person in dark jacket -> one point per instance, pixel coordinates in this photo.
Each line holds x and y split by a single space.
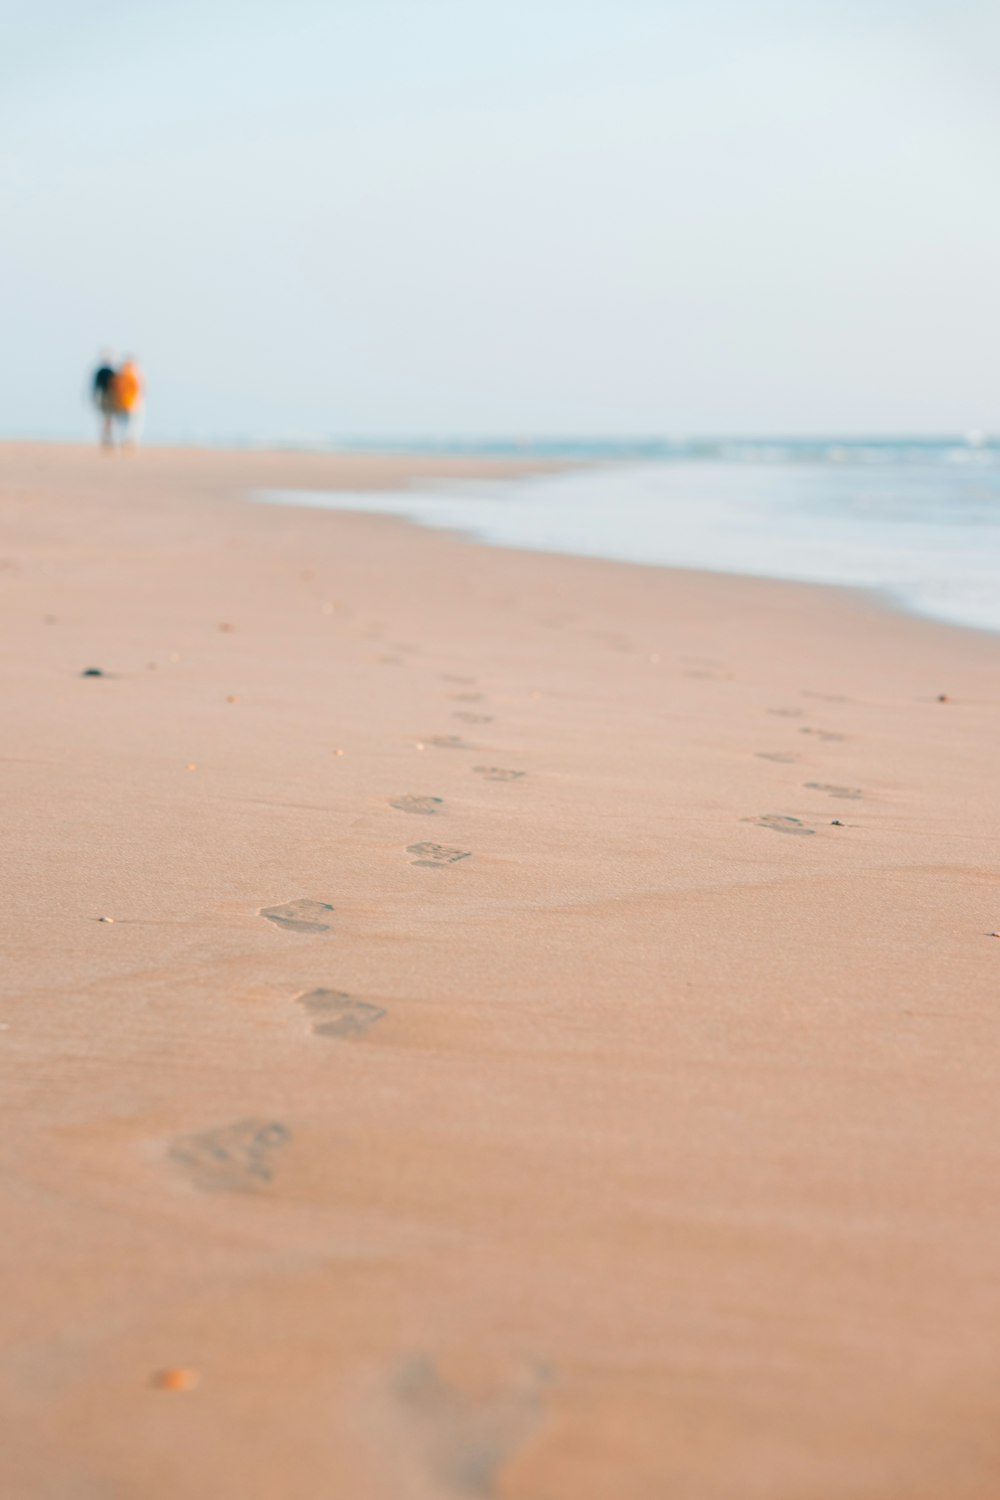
102 389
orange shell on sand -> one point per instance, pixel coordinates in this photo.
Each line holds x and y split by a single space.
176 1380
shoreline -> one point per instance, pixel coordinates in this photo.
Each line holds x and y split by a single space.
620 1126
772 522
875 597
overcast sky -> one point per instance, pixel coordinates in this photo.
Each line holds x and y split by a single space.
431 217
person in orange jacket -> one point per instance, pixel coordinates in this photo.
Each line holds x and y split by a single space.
127 395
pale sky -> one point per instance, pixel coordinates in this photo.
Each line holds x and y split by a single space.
340 218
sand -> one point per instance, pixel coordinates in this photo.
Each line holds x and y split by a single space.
621 1129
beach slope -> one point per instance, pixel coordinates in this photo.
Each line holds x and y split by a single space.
482 1023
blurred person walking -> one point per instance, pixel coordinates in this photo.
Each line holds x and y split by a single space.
127 393
102 391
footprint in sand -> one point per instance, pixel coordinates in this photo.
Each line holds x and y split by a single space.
234 1158
497 773
470 718
781 823
335 1013
449 742
824 734
854 792
467 1428
783 757
436 856
413 803
300 916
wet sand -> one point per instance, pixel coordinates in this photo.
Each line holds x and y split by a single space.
542 1038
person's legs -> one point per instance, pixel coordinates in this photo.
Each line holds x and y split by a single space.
132 426
107 411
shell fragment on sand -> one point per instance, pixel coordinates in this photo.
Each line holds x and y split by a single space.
175 1380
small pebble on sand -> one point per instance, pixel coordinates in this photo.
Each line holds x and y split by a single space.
92 672
192 765
233 698
176 1380
943 698
105 919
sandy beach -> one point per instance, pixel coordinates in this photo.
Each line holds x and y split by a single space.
479 1023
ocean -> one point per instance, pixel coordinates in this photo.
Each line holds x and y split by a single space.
917 521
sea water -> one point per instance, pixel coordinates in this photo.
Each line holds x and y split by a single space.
919 522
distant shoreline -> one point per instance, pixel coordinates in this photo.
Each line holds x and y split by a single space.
831 447
923 536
